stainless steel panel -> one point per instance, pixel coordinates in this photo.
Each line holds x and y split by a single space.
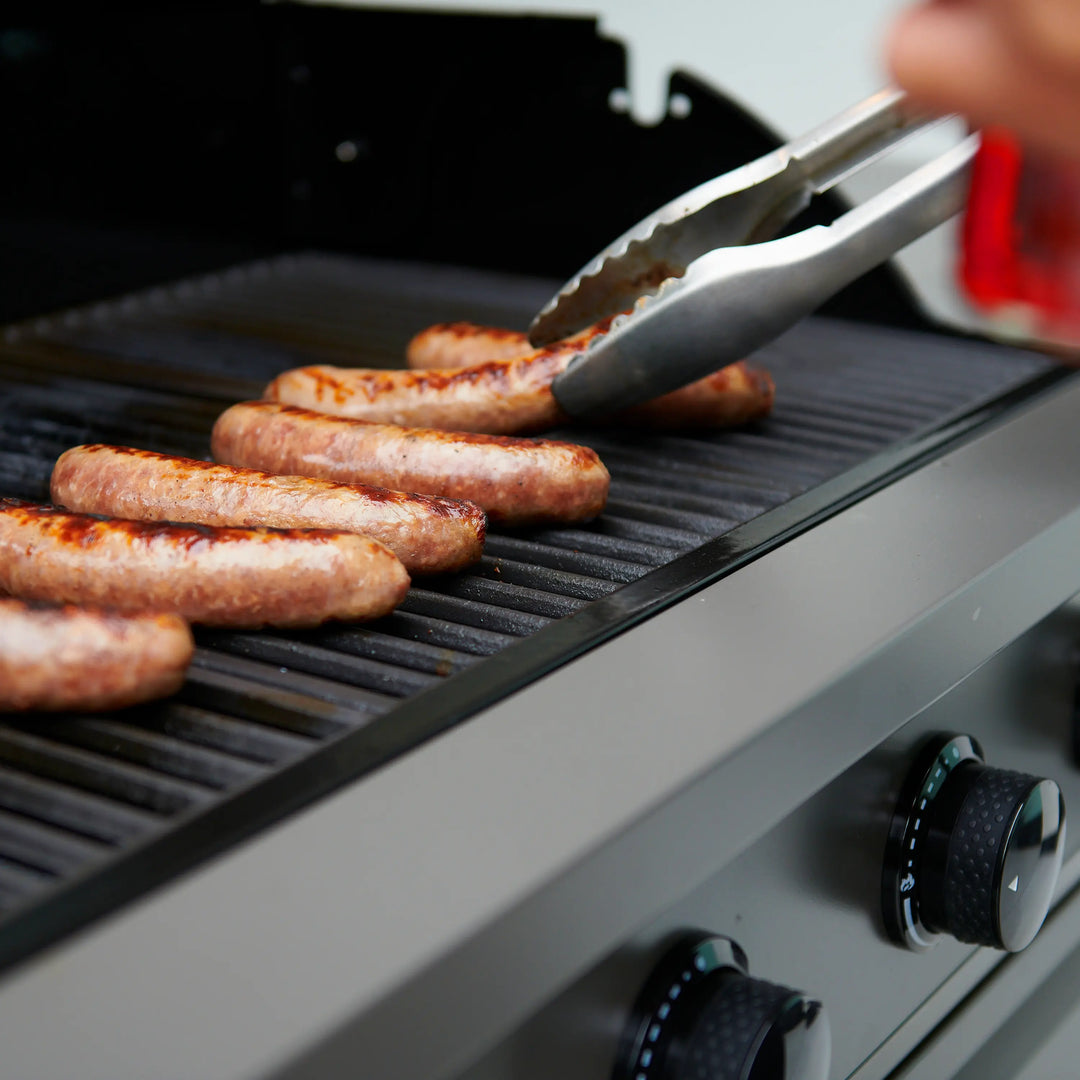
804 901
1041 1039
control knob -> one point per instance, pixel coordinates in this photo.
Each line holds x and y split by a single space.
700 1016
973 851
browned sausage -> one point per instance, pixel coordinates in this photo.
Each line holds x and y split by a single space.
499 397
508 396
87 658
732 395
428 534
458 344
517 481
217 576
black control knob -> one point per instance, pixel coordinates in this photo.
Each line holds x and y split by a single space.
973 851
700 1016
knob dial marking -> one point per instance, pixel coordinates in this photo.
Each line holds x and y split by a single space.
700 1014
972 851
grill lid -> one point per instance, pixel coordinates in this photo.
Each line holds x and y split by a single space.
93 810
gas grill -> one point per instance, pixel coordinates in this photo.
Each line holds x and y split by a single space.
454 842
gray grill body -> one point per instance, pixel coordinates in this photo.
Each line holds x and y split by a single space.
96 811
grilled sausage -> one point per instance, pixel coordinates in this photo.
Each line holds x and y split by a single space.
428 534
458 344
733 395
508 395
516 481
499 397
736 394
217 576
88 658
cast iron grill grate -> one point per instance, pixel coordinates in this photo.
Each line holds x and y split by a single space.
151 790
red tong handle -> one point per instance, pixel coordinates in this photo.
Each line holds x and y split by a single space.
1020 260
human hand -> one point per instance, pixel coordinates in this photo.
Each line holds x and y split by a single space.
1007 63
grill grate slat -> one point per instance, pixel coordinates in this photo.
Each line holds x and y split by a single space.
40 847
301 656
17 880
506 595
718 508
406 653
544 556
80 813
82 794
239 738
352 702
665 537
551 579
229 693
474 613
160 752
97 774
599 543
464 637
695 524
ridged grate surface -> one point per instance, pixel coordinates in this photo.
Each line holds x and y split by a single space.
82 797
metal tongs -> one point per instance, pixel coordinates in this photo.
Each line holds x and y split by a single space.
702 285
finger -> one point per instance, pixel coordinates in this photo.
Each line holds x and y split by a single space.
1048 31
956 57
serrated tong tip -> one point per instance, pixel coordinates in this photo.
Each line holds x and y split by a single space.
702 281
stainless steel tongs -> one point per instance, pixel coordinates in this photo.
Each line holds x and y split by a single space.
701 283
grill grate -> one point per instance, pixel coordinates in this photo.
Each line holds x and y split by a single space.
81 797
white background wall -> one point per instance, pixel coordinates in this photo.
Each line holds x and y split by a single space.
792 62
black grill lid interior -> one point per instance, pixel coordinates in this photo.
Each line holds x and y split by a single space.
95 809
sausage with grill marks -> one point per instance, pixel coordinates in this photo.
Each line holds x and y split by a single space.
88 659
428 534
732 395
217 576
736 394
509 395
458 344
516 481
499 397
